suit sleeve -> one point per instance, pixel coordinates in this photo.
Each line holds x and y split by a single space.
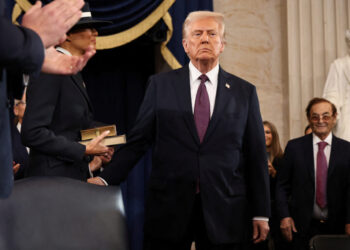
255 156
42 97
139 140
21 48
283 186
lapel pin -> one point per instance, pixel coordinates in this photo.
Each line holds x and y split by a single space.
227 85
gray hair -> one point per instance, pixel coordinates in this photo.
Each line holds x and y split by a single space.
197 15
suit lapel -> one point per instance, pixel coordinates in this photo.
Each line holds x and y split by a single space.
183 94
309 156
222 97
332 158
78 81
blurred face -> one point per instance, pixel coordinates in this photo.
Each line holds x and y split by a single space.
81 39
268 136
321 119
203 41
19 108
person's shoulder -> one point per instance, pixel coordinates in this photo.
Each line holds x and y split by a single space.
297 142
343 143
172 73
238 81
48 79
342 61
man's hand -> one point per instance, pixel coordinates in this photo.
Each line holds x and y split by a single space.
95 164
58 63
347 229
95 147
52 21
107 157
287 227
96 181
15 167
260 230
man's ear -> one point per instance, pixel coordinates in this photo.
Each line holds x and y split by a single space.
222 46
185 45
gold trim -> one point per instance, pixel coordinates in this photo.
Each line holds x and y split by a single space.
16 12
19 7
166 53
119 39
24 4
116 40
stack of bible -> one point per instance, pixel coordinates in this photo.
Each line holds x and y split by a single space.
111 139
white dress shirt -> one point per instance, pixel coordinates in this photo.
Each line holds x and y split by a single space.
319 213
211 85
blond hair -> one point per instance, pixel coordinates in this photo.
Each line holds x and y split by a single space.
197 15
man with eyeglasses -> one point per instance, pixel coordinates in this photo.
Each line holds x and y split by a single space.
313 187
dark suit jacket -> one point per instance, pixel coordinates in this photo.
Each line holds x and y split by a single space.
296 182
19 151
22 49
58 107
230 162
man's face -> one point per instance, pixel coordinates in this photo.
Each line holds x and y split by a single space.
322 119
203 41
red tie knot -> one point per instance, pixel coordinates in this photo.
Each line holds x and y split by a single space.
322 145
203 78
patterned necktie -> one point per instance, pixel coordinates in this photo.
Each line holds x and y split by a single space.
321 178
202 108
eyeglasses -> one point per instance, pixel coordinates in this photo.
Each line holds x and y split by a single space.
317 118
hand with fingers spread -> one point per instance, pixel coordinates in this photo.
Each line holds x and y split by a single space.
260 230
96 147
60 14
287 228
58 63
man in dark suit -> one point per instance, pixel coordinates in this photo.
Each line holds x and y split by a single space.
315 178
209 178
23 48
58 108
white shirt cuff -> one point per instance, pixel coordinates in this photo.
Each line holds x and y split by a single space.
91 175
103 180
261 218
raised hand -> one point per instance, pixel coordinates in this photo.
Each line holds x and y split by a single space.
52 21
58 63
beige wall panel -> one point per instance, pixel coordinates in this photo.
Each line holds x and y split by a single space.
256 52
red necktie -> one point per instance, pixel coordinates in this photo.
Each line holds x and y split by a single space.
321 178
202 108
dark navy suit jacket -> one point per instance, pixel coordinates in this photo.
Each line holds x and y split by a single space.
22 49
230 162
295 190
58 107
